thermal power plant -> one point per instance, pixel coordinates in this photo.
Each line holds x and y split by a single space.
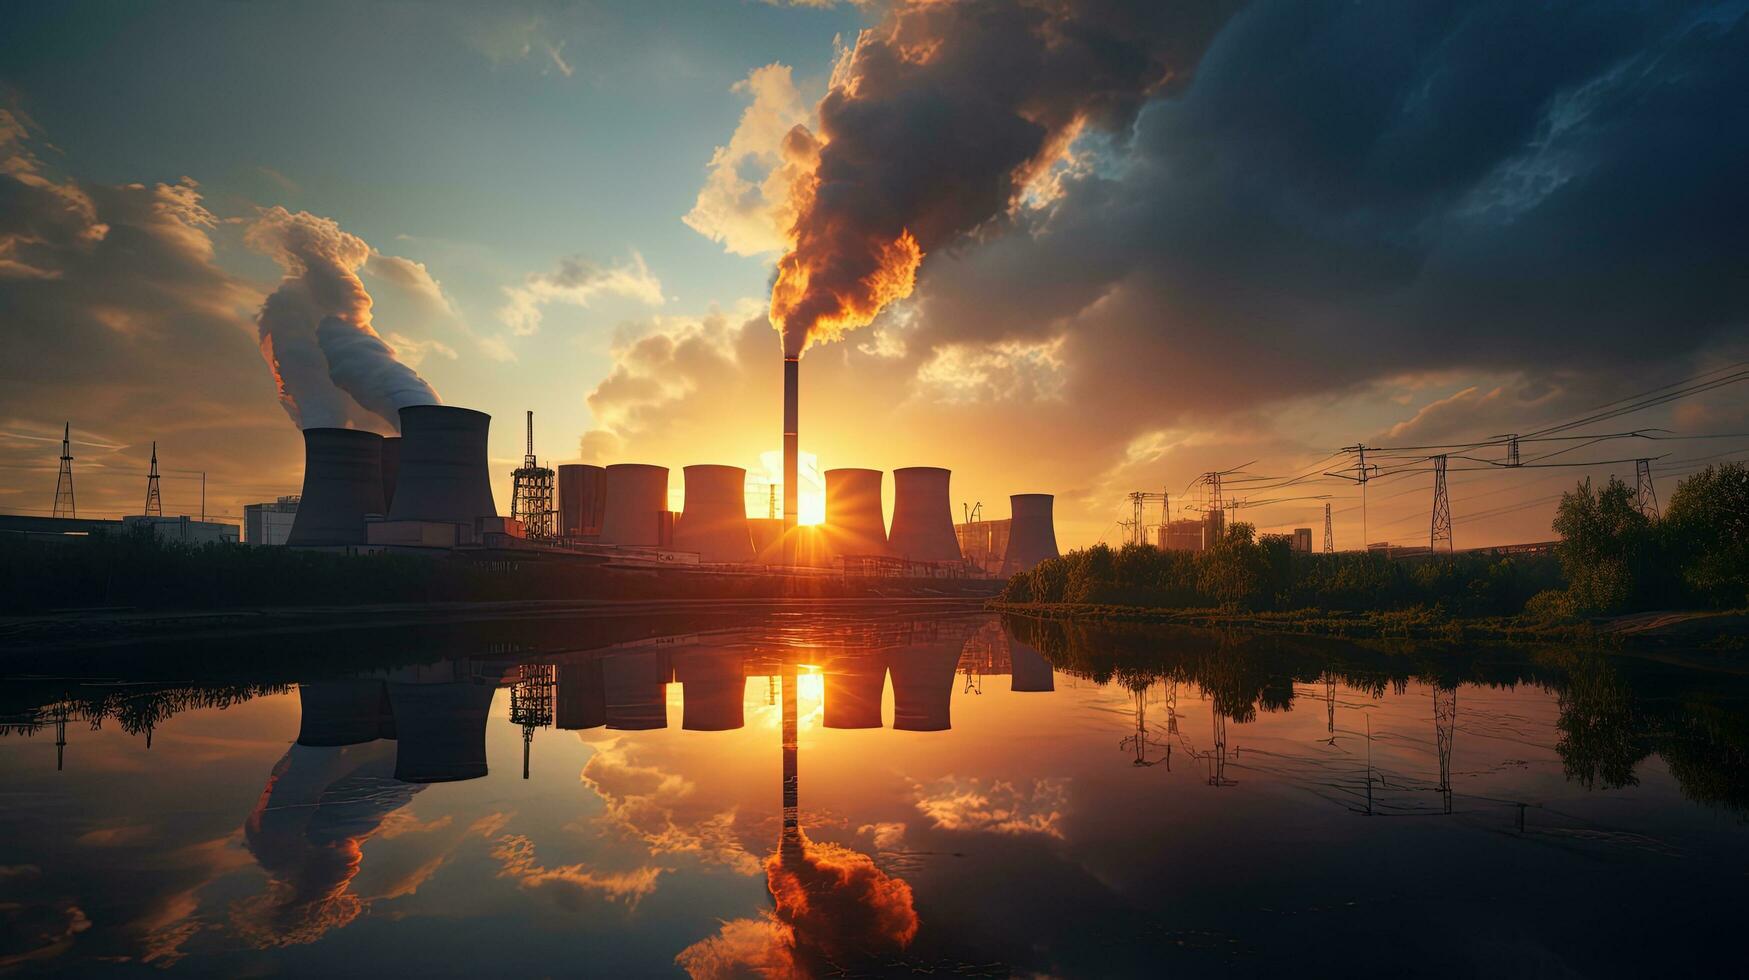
923 681
854 523
851 688
637 497
582 495
443 476
440 726
713 688
714 521
922 516
1032 535
391 469
343 481
351 711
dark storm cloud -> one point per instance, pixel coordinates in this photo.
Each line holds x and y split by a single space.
1348 191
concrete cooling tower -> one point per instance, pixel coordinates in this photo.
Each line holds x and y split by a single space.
852 689
637 496
923 682
713 687
581 700
636 698
391 469
343 481
1032 535
343 712
443 474
854 524
1029 670
442 729
582 494
922 516
714 521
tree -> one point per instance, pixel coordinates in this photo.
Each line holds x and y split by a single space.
1606 546
1707 526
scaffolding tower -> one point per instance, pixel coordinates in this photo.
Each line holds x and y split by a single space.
531 492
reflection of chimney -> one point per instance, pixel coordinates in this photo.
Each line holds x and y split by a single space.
581 701
343 481
344 712
853 688
442 729
636 699
923 679
713 687
792 825
1030 670
1032 534
791 452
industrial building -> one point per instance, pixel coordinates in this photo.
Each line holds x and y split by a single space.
1302 540
1192 534
270 523
984 543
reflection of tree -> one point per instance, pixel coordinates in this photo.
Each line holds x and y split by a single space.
1707 751
1602 739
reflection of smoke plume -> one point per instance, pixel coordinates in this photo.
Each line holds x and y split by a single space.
316 327
832 904
937 122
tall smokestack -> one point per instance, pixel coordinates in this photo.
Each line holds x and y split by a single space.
791 452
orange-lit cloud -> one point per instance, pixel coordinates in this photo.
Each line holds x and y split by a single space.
660 809
571 883
999 807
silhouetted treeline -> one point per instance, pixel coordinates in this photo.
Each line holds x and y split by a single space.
136 569
1240 572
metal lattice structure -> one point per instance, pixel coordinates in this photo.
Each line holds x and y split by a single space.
64 504
154 501
1329 538
531 492
1645 495
1440 539
1444 723
531 703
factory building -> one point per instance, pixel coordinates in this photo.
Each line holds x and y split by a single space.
184 529
270 523
1302 541
984 544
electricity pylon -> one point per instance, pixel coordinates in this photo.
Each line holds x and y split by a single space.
154 502
1440 539
64 505
1645 495
1329 539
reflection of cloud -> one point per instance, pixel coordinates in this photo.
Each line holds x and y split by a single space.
650 804
762 947
1001 808
405 822
571 883
112 836
38 932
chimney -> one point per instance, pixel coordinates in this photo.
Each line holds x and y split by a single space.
791 451
922 517
637 497
714 521
443 474
343 481
1032 535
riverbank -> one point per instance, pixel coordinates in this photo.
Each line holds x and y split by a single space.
1725 631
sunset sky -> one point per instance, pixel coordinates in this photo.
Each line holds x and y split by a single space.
1153 243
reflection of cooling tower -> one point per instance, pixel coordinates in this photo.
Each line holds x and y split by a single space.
581 496
922 516
1030 670
854 525
343 481
923 678
442 730
443 474
345 712
1032 536
581 701
391 469
714 523
713 687
636 698
637 494
852 691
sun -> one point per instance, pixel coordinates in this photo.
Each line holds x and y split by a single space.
811 504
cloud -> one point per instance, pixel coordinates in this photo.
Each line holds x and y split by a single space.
510 37
571 883
753 216
999 808
577 282
659 809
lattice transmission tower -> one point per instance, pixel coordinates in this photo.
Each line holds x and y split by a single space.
154 501
1444 724
531 492
1329 539
64 505
1645 495
1440 538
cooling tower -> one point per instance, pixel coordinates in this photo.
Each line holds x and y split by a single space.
713 687
443 474
854 525
714 523
391 469
1032 535
636 698
923 679
637 495
580 499
581 701
922 516
442 728
343 481
344 712
852 689
1029 670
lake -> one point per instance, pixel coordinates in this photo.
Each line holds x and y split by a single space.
866 792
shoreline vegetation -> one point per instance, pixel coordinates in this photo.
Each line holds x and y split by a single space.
1618 576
